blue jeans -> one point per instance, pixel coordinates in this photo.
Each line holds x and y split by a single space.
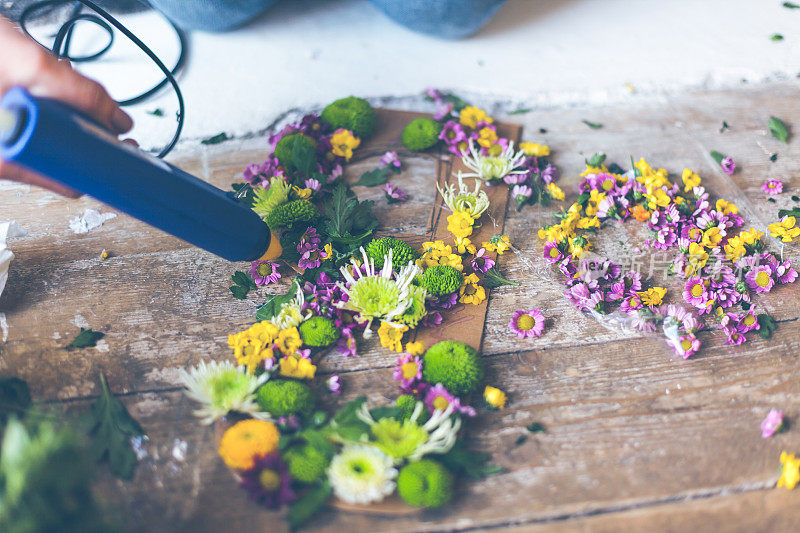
448 19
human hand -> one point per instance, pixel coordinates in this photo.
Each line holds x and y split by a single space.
27 64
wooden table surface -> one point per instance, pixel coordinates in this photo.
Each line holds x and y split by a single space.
636 439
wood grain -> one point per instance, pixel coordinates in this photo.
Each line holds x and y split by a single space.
636 439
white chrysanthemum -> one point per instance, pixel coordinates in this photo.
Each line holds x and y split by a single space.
362 474
291 313
377 295
488 167
473 202
221 388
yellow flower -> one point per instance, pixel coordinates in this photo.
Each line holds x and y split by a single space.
328 251
653 296
453 260
460 224
697 256
555 191
790 471
343 142
415 348
294 366
751 236
586 223
734 249
464 245
303 194
486 137
264 331
471 292
499 244
595 198
726 207
690 180
658 198
535 149
392 336
289 341
246 440
784 230
494 397
712 237
470 116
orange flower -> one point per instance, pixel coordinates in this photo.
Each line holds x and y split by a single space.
640 213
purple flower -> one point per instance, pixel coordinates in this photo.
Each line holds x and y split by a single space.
481 263
686 346
446 301
734 337
259 174
527 323
394 193
747 322
772 424
432 319
408 371
549 174
336 173
551 253
521 192
785 272
443 111
390 159
515 179
308 241
772 186
311 259
617 292
631 303
313 184
347 343
452 134
334 385
268 481
264 272
694 292
433 94
437 398
760 278
728 166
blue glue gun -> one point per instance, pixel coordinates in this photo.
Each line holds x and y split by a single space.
57 141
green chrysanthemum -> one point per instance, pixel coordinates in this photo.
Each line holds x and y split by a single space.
306 463
285 215
439 280
455 365
351 113
416 311
425 483
289 145
398 439
283 397
220 388
266 200
421 134
405 403
402 252
319 331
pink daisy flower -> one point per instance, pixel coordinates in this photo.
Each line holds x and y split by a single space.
408 371
481 263
694 292
686 346
334 385
728 165
551 253
394 193
390 159
760 279
772 186
438 398
734 337
772 424
347 343
527 323
264 272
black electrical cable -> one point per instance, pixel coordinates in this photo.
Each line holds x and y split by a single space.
63 39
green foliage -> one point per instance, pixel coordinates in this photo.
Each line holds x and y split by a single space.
346 423
425 483
717 156
596 160
307 505
766 325
319 331
375 177
15 398
348 222
794 212
439 280
288 214
297 152
273 306
593 125
471 464
285 397
351 113
242 284
535 427
306 462
455 365
216 139
45 481
776 37
492 278
420 134
111 428
402 252
86 338
778 129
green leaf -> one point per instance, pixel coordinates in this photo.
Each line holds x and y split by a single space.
216 139
346 424
766 325
243 284
493 279
794 212
343 214
388 411
273 306
15 398
773 157
795 198
776 37
535 427
616 169
593 125
778 129
596 160
520 440
303 157
724 127
374 177
157 112
582 199
472 464
86 338
522 111
790 5
718 157
771 200
307 506
111 428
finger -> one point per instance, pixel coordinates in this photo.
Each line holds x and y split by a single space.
132 142
21 175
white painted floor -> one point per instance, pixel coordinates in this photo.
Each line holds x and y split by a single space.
305 53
